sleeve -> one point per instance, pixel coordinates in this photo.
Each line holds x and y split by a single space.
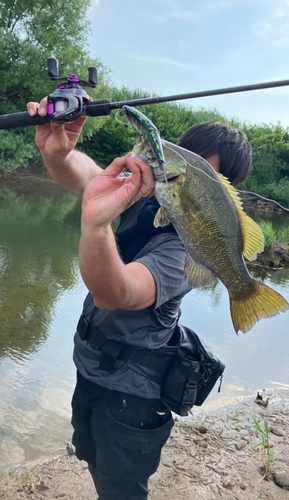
165 260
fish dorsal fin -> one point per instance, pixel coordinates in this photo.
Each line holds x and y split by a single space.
253 238
231 190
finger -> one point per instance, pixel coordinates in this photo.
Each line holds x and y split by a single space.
116 166
146 170
43 107
80 121
57 128
32 108
134 165
143 165
147 181
136 162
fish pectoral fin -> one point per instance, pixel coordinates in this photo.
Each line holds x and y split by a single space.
190 198
198 275
253 238
139 146
161 218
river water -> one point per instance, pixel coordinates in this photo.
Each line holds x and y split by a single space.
41 298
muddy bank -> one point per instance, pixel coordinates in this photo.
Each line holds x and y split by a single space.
262 205
208 456
273 258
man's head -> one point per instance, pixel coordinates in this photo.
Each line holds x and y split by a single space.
209 139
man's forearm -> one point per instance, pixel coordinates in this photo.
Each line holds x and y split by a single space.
105 275
73 172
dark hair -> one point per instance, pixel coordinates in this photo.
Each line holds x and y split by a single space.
209 138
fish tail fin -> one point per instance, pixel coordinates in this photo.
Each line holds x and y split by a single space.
261 302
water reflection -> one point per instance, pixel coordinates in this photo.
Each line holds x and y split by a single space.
279 277
37 263
278 220
40 299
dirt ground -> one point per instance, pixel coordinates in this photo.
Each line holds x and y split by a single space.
208 456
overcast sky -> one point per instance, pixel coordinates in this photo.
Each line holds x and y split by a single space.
179 46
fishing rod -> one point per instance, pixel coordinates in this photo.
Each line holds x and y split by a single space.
69 100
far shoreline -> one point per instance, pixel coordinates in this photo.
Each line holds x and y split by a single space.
272 259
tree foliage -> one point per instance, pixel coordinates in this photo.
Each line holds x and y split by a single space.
30 32
270 166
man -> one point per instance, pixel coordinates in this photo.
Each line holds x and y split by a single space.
136 283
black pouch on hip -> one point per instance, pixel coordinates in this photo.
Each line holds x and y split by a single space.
192 374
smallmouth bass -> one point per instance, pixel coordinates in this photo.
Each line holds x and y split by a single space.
207 214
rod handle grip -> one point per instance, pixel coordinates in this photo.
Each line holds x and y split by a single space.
23 119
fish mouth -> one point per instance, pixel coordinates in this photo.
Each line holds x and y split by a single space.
172 177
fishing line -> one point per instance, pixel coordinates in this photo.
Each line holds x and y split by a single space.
263 198
220 182
119 118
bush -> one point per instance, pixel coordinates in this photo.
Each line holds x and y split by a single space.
278 191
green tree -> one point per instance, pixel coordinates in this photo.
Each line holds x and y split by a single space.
270 162
272 140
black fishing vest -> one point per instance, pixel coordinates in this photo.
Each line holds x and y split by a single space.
136 228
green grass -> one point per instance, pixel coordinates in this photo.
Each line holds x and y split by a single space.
283 235
30 479
264 446
272 235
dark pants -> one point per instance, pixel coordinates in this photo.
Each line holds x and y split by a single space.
120 437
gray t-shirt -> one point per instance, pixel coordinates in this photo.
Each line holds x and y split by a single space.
164 256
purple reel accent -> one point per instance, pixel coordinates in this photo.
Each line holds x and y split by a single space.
50 108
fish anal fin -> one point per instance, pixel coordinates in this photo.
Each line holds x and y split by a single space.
161 218
198 275
261 302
